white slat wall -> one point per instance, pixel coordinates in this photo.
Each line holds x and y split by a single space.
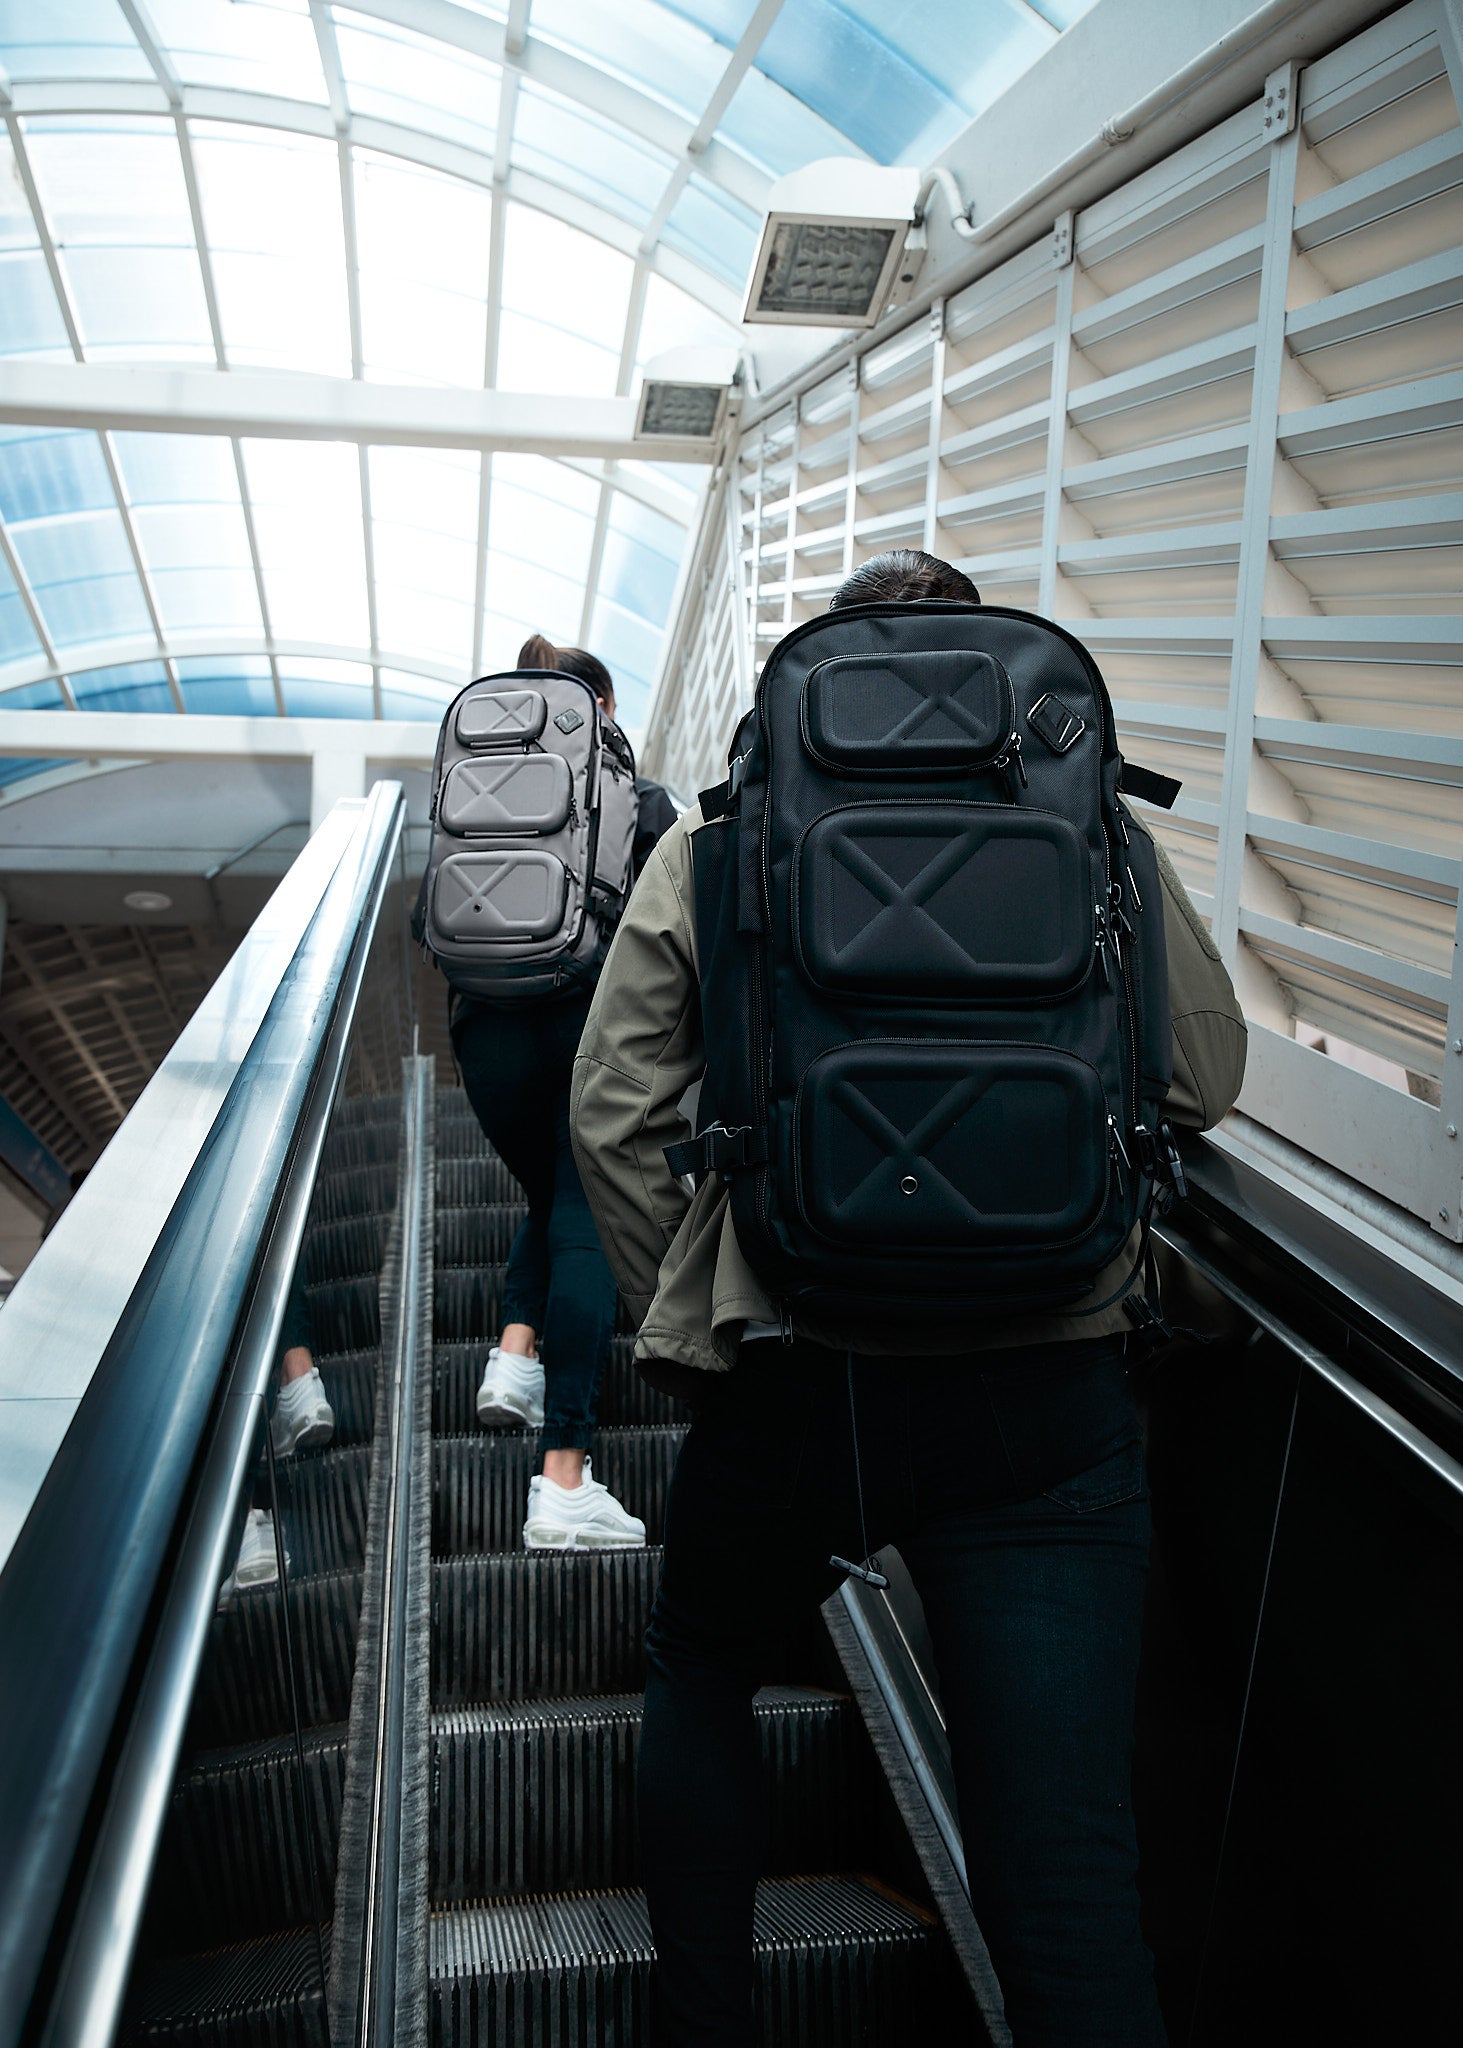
1222 442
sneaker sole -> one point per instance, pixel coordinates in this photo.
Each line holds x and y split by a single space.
551 1537
313 1436
496 1412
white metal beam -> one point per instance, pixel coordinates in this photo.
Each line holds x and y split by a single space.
740 63
159 735
295 406
217 646
431 152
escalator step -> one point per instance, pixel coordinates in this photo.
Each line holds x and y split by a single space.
480 1483
345 1315
468 1182
244 1690
539 1795
625 1398
350 1388
352 1110
360 1145
322 1497
256 1994
460 1136
521 1624
467 1303
841 1960
346 1249
478 1236
235 1862
353 1191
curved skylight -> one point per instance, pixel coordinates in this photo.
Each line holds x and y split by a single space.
535 196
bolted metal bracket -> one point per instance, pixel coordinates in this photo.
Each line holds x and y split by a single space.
1282 99
937 320
1062 240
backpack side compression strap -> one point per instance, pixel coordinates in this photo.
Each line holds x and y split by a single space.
718 801
718 1150
1148 784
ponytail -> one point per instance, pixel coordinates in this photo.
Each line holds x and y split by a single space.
536 652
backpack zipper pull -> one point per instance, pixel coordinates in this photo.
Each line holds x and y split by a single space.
1120 918
1115 1144
1010 757
784 1322
1100 942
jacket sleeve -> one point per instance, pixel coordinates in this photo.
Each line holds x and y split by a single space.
1209 1035
642 1048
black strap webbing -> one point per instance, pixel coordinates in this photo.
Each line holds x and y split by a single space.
718 1151
717 801
1148 784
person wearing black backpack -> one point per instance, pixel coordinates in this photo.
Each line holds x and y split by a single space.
944 997
515 1055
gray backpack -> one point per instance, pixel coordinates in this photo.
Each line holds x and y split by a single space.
533 823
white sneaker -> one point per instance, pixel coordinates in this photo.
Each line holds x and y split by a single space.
583 1517
512 1390
256 1564
303 1419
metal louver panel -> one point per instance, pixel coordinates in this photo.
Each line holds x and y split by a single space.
1216 429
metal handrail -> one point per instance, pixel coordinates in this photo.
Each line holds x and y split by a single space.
89 1740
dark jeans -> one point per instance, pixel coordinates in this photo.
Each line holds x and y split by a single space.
1013 1486
516 1062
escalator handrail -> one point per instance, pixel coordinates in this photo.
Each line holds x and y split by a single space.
89 1574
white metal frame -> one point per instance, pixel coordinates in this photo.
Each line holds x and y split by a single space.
1212 424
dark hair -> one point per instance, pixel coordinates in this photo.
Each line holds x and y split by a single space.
903 576
537 652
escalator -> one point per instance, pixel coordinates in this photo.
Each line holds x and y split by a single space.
389 1796
537 1674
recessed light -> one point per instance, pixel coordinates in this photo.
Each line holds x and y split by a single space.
147 899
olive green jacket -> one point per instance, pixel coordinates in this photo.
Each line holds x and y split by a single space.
675 1254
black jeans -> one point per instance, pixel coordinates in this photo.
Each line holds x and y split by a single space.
516 1061
1013 1486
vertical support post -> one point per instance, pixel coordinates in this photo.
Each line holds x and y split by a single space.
937 425
1447 1177
1064 240
794 484
754 603
1254 558
850 496
741 659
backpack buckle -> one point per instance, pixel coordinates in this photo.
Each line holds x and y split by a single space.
720 1149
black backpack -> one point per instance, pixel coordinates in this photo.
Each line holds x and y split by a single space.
534 809
933 974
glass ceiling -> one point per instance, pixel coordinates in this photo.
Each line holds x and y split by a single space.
533 196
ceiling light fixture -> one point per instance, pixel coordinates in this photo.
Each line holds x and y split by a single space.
843 240
685 394
146 899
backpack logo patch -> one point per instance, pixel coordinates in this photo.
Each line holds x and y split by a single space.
569 721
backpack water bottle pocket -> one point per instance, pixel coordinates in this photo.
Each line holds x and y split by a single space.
974 901
512 894
939 711
493 793
935 1146
501 718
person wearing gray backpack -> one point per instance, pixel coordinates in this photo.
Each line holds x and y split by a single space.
536 817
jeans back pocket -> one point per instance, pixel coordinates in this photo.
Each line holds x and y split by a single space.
1115 1478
